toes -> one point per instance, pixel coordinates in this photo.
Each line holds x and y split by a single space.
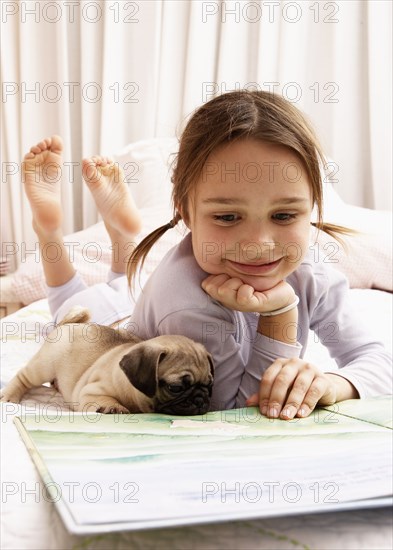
89 170
97 160
42 145
89 165
105 161
55 143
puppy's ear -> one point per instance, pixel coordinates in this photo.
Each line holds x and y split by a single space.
140 366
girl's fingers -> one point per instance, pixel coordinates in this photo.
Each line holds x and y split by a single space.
245 294
306 384
225 289
289 386
212 282
292 387
229 287
313 396
281 386
266 385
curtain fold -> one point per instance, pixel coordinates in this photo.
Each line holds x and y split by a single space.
104 74
379 83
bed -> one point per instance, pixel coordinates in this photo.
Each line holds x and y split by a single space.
30 521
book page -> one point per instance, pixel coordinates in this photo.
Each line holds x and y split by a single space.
125 470
378 410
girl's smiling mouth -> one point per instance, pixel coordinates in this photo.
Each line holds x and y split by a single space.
254 269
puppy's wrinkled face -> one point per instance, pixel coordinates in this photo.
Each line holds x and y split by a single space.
186 391
174 371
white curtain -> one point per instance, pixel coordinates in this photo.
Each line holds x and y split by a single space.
105 73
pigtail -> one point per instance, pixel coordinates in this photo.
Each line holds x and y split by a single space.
138 257
335 231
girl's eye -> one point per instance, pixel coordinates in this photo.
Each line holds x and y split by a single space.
284 217
226 218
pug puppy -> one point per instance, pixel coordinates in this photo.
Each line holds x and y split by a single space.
102 369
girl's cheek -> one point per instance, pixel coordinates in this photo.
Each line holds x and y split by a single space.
297 251
295 245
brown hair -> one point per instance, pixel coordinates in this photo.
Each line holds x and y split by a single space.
241 114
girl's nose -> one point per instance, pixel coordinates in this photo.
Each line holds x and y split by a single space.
254 251
257 243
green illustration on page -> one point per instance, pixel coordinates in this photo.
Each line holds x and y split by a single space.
103 472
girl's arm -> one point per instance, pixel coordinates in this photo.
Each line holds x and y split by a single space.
365 367
290 386
354 344
293 387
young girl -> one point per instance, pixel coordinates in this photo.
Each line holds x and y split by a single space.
246 180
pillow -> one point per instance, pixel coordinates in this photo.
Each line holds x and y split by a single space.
91 254
366 257
147 165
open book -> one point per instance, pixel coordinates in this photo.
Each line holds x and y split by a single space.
123 472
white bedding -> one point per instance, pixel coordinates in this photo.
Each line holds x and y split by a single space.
29 521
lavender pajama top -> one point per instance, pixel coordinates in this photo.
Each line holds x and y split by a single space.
173 302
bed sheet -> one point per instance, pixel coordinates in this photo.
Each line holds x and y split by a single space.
30 521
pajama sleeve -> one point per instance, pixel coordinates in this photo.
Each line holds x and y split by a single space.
360 356
240 354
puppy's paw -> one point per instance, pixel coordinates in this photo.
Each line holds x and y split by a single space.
113 409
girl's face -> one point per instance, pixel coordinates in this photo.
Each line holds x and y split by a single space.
250 213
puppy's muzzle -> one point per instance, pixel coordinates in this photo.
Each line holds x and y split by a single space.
194 400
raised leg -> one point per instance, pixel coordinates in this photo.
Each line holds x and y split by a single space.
41 167
113 199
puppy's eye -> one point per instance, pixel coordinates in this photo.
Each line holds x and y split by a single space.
175 388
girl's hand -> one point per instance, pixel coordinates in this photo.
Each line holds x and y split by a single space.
293 387
234 294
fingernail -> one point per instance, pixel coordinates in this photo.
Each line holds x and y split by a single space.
289 412
274 412
304 411
264 406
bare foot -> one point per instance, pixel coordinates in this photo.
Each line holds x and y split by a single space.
41 173
113 199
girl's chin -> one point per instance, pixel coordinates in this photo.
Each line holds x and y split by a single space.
261 285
